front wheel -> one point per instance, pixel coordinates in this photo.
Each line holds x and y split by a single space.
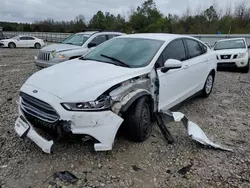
138 120
208 87
12 45
246 68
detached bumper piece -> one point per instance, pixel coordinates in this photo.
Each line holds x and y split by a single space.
24 129
194 131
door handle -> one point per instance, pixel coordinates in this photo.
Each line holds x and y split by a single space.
185 66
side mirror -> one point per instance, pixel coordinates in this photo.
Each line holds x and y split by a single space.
91 44
171 64
249 47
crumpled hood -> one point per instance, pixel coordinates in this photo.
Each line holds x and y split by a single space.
60 47
230 51
78 81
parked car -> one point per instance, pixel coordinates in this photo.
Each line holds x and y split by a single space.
233 53
22 41
126 79
73 47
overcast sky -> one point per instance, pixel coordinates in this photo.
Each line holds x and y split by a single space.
30 10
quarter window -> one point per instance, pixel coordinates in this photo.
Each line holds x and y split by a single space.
194 48
99 39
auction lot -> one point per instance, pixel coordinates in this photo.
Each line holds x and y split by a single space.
224 116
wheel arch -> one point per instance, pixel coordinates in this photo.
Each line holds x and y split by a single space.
134 96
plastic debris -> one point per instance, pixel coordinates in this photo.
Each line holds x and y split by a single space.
66 176
194 131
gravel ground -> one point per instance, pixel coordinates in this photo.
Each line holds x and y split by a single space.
224 116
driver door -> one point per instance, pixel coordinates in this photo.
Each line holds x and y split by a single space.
21 42
175 83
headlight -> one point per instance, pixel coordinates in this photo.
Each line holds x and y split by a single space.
241 55
101 103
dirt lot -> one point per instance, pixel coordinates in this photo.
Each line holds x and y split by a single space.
224 116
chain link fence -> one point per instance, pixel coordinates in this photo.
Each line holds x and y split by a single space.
59 37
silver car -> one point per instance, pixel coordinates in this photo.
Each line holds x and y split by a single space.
73 47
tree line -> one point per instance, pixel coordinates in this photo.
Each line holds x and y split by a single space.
147 18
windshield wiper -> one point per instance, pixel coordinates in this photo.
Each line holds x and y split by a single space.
116 60
69 43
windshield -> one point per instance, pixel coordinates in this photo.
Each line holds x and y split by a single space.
230 44
129 52
16 37
77 39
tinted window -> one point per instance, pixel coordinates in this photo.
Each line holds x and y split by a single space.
110 36
194 48
99 39
30 38
204 48
22 38
174 50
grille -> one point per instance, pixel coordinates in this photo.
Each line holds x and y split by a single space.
38 109
225 56
45 56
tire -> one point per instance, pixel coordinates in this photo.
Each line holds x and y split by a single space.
208 86
11 45
37 46
138 124
246 68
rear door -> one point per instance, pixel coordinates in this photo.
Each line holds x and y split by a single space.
30 41
196 64
175 83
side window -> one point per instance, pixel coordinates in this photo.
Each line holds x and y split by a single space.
194 48
99 39
30 38
174 50
204 48
110 36
22 38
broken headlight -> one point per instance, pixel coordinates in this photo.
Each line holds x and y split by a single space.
101 103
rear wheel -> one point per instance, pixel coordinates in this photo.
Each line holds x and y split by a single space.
138 120
11 45
37 46
208 87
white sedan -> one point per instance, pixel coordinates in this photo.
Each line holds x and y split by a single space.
126 79
22 41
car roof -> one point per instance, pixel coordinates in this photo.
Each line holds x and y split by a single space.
231 39
156 36
94 32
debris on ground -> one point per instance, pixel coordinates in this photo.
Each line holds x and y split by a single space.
66 176
183 171
194 131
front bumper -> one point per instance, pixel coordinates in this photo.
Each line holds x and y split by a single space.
233 63
44 64
3 44
101 125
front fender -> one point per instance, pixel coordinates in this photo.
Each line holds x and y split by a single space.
129 99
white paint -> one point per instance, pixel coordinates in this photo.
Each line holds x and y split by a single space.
20 43
84 81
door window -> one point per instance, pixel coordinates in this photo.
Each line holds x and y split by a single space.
174 50
99 39
194 48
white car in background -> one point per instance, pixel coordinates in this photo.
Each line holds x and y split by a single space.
22 41
73 47
233 53
127 78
